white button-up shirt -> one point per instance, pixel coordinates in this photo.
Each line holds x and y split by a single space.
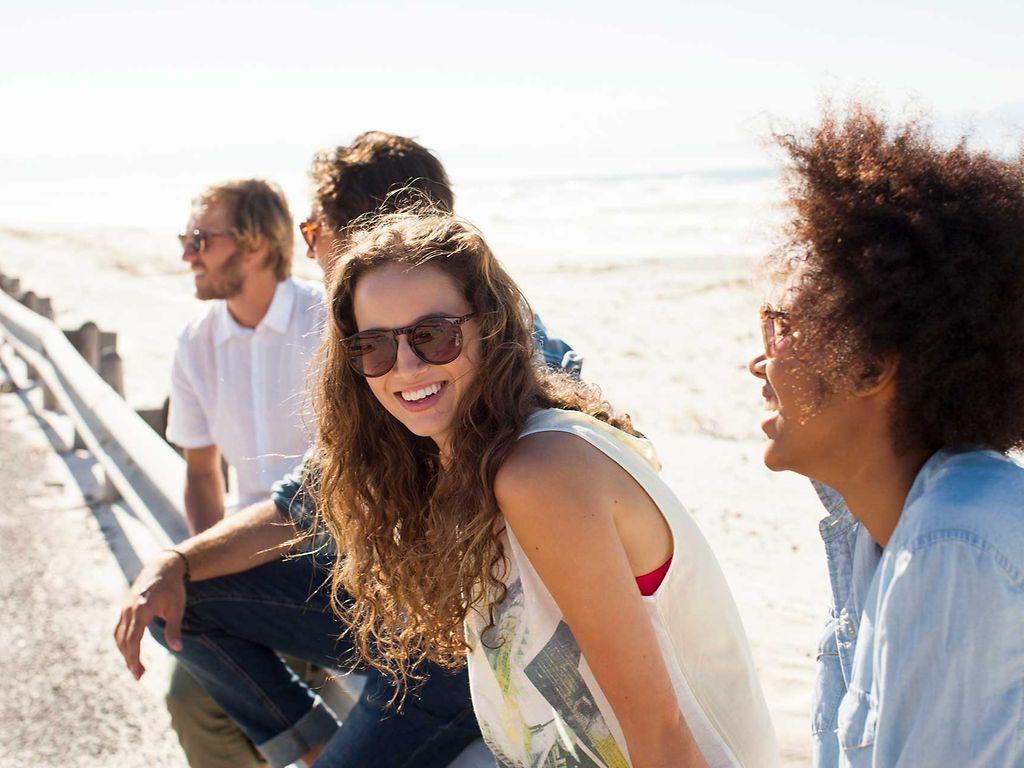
244 389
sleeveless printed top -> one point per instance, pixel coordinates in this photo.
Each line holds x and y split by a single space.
537 702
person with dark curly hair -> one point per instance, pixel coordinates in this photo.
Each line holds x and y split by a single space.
352 180
893 373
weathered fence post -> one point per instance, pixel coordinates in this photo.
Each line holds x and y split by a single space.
157 418
45 308
108 341
29 300
89 344
111 370
87 341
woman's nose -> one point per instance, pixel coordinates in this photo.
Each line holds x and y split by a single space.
406 359
756 366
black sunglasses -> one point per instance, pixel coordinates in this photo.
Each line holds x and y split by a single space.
195 241
434 340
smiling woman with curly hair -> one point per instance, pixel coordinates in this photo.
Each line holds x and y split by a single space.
494 513
893 372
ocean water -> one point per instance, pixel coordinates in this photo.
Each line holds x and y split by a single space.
700 218
706 218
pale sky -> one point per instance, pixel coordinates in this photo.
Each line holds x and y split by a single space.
120 112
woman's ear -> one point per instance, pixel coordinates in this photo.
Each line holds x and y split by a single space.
876 375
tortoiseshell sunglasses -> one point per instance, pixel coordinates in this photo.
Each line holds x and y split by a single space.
309 229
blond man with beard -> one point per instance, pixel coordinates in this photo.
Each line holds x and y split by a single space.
239 370
237 391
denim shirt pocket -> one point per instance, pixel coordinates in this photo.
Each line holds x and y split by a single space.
858 716
829 685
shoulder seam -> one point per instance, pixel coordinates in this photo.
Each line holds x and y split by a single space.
971 539
195 324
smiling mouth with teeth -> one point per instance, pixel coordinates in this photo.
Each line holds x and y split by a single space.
414 395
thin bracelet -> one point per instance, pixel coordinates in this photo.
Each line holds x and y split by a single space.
188 571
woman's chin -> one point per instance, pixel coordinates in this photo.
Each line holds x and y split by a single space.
773 457
773 453
425 425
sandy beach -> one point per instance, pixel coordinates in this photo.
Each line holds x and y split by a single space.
667 340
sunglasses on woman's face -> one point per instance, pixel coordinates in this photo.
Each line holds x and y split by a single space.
434 340
774 327
309 228
195 241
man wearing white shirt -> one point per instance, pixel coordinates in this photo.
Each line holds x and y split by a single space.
238 391
239 370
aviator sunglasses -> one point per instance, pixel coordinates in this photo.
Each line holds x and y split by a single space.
774 326
435 340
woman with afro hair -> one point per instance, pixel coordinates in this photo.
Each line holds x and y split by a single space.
893 373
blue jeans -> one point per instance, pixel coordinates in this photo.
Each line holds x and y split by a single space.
231 633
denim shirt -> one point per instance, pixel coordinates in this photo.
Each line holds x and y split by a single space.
922 659
292 494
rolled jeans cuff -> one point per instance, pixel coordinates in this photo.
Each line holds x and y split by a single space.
311 730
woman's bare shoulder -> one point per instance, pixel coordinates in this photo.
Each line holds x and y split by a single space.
546 465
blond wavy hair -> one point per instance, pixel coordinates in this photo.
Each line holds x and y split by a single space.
420 541
257 213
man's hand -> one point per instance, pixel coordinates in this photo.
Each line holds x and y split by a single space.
256 535
159 591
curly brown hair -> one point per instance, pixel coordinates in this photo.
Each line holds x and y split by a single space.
377 172
421 540
899 246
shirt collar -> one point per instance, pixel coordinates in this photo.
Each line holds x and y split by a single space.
279 314
932 469
277 319
839 520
